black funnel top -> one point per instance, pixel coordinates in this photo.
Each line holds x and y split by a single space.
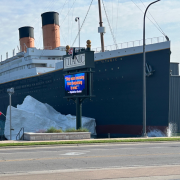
50 18
26 31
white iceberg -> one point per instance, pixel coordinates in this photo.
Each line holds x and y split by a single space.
156 133
34 116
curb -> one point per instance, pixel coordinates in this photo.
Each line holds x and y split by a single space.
84 144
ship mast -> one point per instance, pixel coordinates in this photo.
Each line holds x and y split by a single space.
101 29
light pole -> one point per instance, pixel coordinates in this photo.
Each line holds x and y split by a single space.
144 71
77 19
10 92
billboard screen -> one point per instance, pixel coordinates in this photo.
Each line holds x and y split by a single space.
75 84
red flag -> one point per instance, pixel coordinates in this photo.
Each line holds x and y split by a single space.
0 113
70 51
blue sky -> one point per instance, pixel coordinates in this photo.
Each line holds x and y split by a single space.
124 16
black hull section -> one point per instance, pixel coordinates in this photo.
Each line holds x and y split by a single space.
117 106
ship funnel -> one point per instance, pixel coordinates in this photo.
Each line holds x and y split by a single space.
26 37
50 26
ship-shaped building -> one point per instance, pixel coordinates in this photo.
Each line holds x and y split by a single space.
118 81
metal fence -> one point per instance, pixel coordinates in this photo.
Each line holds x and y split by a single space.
174 115
136 43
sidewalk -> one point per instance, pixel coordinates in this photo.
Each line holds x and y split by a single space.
104 139
133 173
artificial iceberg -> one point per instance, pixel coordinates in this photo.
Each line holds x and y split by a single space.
34 116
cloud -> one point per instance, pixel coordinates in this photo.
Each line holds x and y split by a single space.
125 19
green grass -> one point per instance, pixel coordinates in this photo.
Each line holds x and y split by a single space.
53 130
77 130
90 142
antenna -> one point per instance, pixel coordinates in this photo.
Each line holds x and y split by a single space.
7 55
1 58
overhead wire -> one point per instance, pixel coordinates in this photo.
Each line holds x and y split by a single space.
72 24
117 16
147 16
68 12
68 23
63 7
112 2
65 19
153 19
83 22
63 37
114 39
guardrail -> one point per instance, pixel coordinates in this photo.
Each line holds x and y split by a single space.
136 43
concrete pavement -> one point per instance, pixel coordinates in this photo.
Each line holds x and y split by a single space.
140 173
109 161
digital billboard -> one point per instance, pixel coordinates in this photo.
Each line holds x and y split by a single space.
75 84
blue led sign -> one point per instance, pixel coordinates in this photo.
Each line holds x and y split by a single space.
75 84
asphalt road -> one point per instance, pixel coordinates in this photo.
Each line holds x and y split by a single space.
108 161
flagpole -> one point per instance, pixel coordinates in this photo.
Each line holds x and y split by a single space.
2 114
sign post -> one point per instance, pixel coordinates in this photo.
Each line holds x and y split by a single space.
78 77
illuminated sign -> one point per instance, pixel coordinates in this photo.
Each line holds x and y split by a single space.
79 60
75 84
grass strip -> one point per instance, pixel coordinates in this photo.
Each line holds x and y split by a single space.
89 141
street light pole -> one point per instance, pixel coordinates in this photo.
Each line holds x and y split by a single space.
144 71
78 19
10 92
10 114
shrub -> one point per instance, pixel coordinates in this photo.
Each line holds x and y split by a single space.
53 130
77 130
41 131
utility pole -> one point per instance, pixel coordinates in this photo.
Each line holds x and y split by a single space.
101 29
144 71
10 92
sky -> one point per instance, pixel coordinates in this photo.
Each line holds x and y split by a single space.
125 18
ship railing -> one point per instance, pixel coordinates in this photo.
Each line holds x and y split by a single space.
130 44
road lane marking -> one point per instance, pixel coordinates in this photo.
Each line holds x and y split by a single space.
86 157
72 154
